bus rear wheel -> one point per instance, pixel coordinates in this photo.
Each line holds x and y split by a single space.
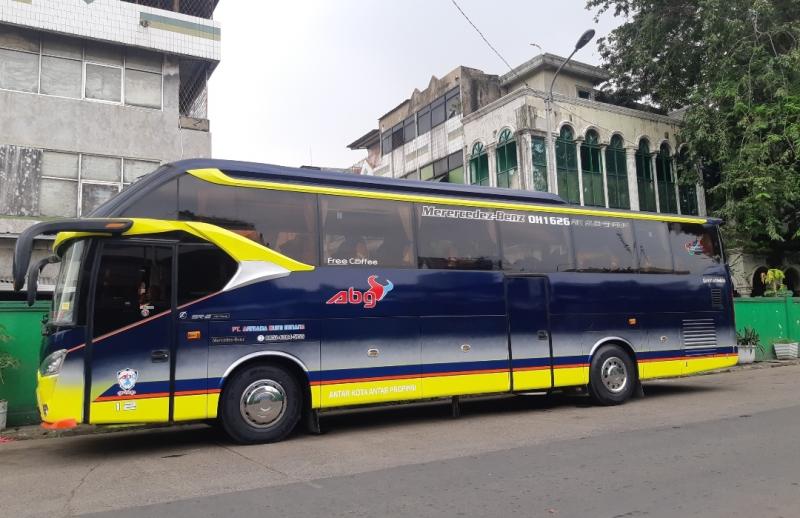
612 376
260 404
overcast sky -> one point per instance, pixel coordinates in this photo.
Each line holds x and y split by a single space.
303 79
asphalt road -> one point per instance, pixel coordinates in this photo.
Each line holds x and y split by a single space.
719 445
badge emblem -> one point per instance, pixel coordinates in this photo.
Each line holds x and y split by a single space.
126 379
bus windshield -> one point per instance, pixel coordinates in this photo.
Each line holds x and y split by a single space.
66 289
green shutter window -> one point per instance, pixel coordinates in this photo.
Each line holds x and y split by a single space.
479 165
617 174
591 171
665 180
539 151
507 161
644 177
567 166
687 193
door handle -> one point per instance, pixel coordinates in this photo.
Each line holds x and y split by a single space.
542 334
159 355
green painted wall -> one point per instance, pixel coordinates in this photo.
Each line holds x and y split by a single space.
771 317
24 326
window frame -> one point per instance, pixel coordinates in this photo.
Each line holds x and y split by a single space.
41 53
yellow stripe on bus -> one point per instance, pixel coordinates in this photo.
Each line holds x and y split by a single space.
215 176
238 247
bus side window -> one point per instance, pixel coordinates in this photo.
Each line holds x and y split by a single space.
457 238
652 247
531 244
366 232
694 247
283 221
602 244
202 270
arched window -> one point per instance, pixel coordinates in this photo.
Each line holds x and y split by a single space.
617 174
687 192
507 160
666 180
539 156
567 165
644 177
591 171
479 165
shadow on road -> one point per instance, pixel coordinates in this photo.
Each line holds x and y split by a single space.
170 441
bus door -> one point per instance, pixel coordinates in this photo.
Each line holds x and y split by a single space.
529 332
130 354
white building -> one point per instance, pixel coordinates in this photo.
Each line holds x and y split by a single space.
94 94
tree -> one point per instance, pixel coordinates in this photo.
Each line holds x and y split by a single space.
735 66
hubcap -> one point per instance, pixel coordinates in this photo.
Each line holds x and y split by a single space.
263 403
614 374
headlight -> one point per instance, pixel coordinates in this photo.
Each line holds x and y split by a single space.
52 364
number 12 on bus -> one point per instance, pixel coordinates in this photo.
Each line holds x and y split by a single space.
255 295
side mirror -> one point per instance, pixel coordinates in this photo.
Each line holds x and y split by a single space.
33 276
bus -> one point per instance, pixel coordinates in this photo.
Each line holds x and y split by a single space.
259 296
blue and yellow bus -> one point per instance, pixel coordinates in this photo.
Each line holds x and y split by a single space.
256 295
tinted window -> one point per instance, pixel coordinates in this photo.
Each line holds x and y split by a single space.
134 282
397 136
159 203
652 247
462 238
535 242
283 221
363 232
202 270
437 112
386 143
409 129
453 107
694 247
602 244
424 120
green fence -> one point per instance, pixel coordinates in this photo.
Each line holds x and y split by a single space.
24 326
771 317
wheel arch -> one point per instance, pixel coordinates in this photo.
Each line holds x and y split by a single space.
289 362
618 341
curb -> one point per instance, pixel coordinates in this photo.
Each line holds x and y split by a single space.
24 433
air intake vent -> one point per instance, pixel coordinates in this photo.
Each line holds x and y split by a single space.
716 298
699 332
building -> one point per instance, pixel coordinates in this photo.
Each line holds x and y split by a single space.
94 94
478 128
473 127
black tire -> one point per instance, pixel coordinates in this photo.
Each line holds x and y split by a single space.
609 389
264 384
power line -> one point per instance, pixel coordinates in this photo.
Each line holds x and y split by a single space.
511 69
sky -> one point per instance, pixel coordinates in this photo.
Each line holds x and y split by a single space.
299 80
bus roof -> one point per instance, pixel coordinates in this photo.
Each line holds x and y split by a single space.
328 178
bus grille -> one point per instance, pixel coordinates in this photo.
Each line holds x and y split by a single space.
699 332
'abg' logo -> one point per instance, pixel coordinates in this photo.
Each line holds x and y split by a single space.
369 298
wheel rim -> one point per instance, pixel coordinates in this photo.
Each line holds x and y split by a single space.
614 374
263 403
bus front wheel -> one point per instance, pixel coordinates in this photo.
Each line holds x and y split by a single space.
612 376
260 404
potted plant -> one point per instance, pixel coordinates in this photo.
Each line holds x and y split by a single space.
747 341
774 282
785 349
6 362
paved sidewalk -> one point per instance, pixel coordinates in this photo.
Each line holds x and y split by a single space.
22 433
